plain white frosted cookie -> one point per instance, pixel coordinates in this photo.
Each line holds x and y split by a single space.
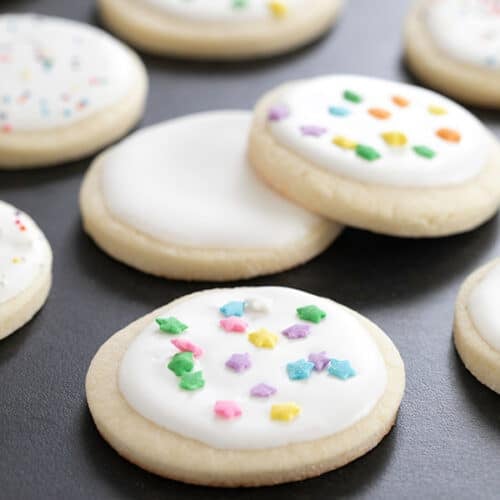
179 200
246 387
454 46
380 155
66 90
477 324
219 29
25 269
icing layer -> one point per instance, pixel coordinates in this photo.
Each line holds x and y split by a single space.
380 132
188 182
466 30
483 307
313 408
24 252
55 72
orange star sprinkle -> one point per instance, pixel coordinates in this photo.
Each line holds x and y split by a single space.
448 134
402 102
379 113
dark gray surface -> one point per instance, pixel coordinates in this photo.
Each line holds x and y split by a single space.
447 440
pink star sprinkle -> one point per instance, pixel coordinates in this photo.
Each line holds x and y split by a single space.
312 130
186 346
233 324
227 409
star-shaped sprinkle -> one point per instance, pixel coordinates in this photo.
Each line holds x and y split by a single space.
424 152
182 363
240 4
234 308
192 381
233 324
341 369
278 8
262 391
395 138
311 313
278 112
437 110
312 130
171 325
299 370
351 96
239 362
338 111
298 331
367 152
263 338
344 142
320 360
259 304
285 412
187 346
449 135
227 409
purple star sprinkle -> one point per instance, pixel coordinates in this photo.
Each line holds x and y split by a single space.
239 362
278 113
320 360
262 391
313 130
298 331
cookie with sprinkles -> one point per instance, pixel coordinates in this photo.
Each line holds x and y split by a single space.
454 46
311 404
66 90
219 29
179 200
385 156
25 269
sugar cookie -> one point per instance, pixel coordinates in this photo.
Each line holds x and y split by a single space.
477 325
25 269
66 90
179 200
376 154
219 29
245 413
454 46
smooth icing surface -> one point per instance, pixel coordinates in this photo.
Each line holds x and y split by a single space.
55 72
380 132
312 408
227 10
24 252
483 307
467 30
188 182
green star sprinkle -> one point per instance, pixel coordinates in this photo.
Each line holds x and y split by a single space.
367 153
182 363
424 151
351 96
311 313
192 381
171 325
240 4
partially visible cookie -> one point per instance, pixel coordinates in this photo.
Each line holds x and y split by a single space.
25 270
379 155
454 46
219 29
66 90
246 387
477 324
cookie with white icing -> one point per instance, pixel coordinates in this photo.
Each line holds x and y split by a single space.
219 29
220 386
66 90
25 269
179 200
454 46
477 324
380 155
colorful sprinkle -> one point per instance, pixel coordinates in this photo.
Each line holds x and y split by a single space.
344 143
6 128
299 370
262 391
278 8
239 362
311 313
227 409
239 4
259 304
320 360
235 308
277 113
437 110
341 369
192 381
424 151
263 338
379 113
351 96
171 325
187 346
449 135
298 331
338 111
313 130
285 412
395 139
367 153
402 102
233 324
182 362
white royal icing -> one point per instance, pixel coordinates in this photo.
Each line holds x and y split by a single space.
467 30
24 252
188 182
55 72
483 307
328 404
309 103
224 10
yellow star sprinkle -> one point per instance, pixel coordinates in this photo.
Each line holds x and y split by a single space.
395 139
437 110
344 142
278 8
16 260
285 412
263 338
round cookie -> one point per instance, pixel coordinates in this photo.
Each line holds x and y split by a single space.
219 29
477 329
25 270
246 387
66 90
379 155
179 200
454 46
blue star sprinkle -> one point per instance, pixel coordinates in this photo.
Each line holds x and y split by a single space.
341 369
233 309
338 111
300 370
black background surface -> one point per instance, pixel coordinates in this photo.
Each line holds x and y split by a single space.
447 440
